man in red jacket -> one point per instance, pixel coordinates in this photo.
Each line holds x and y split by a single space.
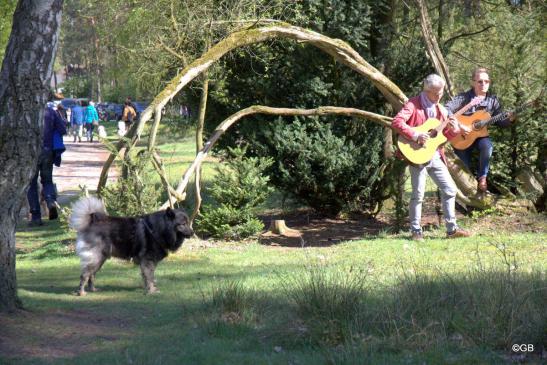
414 113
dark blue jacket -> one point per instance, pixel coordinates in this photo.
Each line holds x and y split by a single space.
53 122
491 104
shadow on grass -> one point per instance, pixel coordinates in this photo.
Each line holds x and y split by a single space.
49 250
65 289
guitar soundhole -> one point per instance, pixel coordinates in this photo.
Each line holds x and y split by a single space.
433 133
477 125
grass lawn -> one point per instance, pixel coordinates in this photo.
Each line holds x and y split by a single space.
381 299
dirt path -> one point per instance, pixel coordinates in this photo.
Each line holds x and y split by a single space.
81 165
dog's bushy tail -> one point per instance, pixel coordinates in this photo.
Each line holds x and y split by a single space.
80 217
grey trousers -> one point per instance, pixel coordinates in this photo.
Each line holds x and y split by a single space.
440 175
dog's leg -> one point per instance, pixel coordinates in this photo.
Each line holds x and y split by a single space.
84 278
147 269
91 282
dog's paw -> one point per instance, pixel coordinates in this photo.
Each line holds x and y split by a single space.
80 293
152 291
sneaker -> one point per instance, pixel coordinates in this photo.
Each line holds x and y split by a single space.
53 214
457 233
36 222
417 236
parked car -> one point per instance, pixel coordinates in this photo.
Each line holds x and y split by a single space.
114 111
68 103
140 106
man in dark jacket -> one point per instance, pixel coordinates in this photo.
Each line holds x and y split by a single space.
53 123
480 85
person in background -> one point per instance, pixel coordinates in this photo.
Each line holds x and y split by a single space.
414 113
62 111
53 124
480 82
129 114
77 121
91 119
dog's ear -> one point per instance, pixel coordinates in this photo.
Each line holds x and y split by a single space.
170 213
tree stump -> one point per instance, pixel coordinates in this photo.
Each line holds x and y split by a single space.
280 235
278 226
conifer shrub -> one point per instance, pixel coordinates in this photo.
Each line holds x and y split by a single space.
326 167
237 189
134 193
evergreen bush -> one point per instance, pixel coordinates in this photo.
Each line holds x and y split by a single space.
327 169
134 194
237 189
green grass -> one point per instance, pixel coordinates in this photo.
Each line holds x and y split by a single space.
252 304
379 300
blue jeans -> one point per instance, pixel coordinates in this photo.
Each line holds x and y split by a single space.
45 170
484 145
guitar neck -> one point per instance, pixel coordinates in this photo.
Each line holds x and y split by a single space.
499 117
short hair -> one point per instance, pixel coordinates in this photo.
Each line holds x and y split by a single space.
478 70
433 81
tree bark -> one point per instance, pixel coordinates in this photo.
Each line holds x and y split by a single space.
432 46
441 20
97 63
24 89
199 144
202 110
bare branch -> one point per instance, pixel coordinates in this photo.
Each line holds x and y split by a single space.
451 40
260 109
173 52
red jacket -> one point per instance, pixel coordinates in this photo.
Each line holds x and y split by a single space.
412 115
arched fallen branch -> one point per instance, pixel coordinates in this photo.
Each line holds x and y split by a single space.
338 49
259 109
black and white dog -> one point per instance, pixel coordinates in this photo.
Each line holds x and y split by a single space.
146 240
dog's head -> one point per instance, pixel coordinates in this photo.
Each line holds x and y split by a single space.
181 223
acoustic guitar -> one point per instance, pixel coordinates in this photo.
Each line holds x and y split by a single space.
419 154
478 122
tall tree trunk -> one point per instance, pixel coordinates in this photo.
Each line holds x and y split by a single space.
381 34
24 88
199 143
202 110
97 61
467 9
440 20
433 50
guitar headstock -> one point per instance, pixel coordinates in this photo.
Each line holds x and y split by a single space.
476 100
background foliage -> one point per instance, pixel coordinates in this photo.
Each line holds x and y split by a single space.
120 48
